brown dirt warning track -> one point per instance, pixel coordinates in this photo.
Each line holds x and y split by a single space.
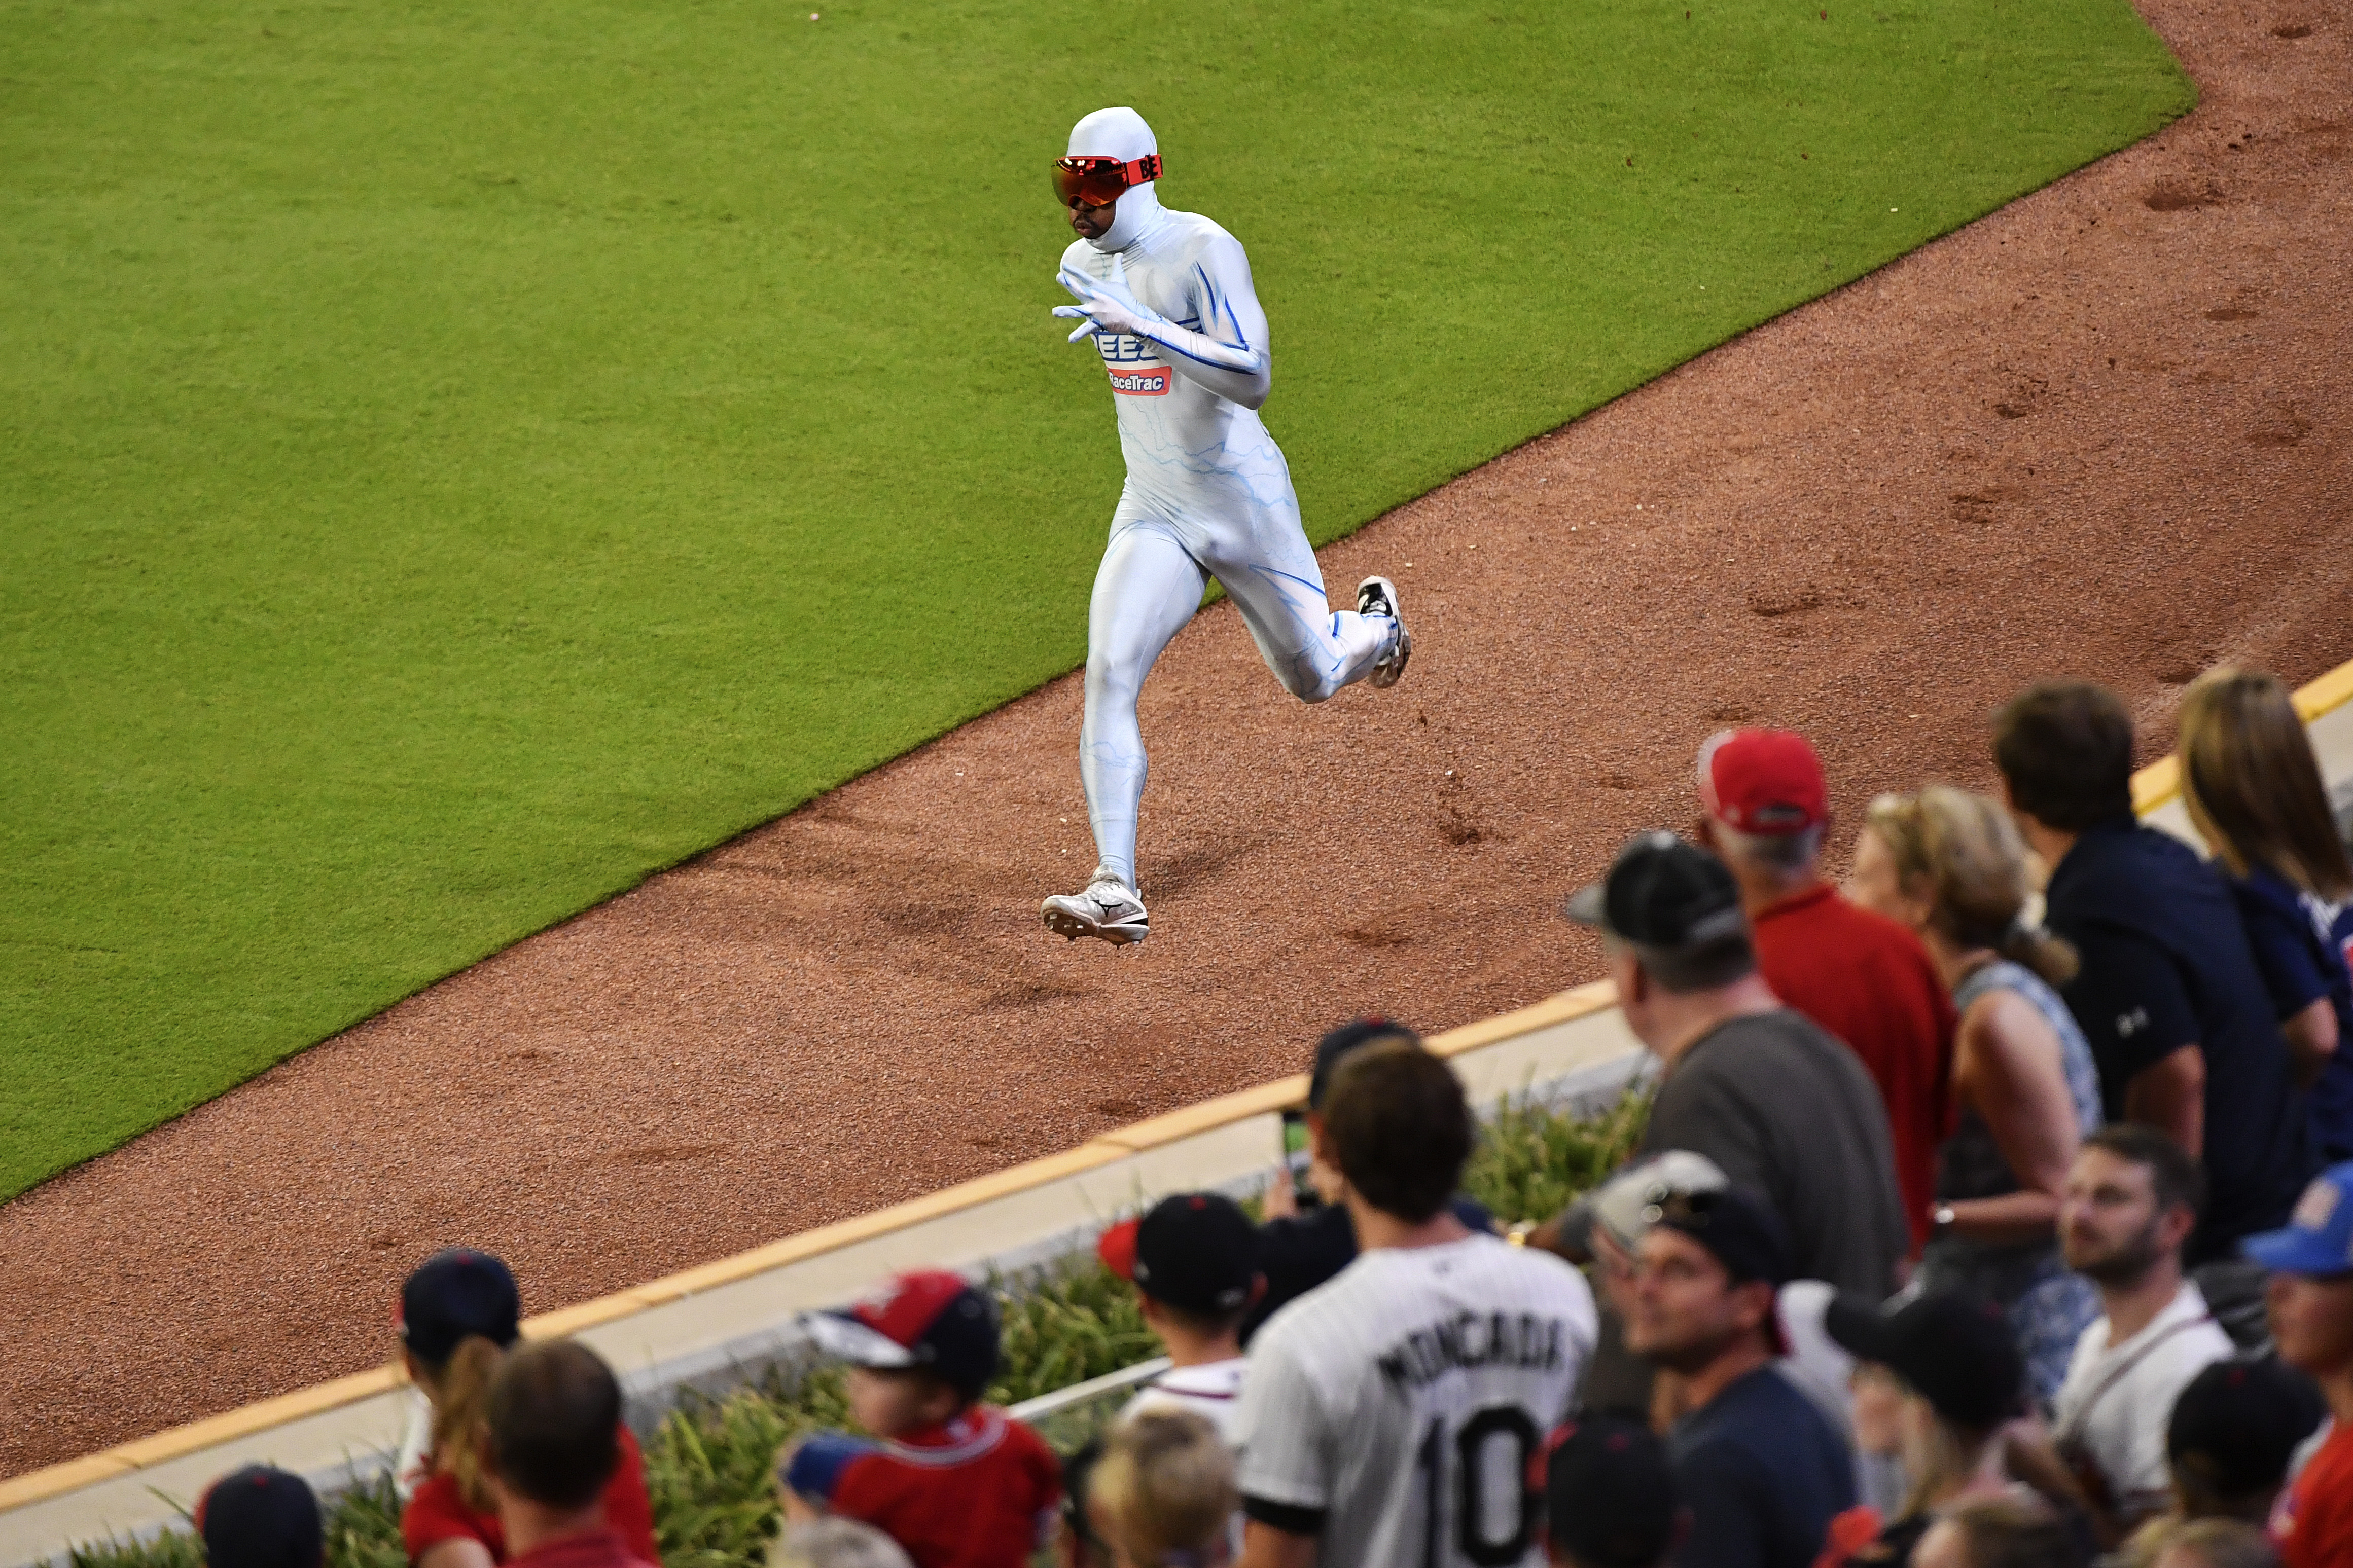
2101 432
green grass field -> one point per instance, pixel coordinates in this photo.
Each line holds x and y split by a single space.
459 457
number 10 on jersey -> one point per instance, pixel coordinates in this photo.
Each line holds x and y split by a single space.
1481 1483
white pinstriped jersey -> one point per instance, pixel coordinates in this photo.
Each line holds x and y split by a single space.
1212 1391
1403 1400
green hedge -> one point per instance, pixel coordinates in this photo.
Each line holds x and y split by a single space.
709 1465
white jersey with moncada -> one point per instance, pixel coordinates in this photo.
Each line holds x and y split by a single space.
1393 1413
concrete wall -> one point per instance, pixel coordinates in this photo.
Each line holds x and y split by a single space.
721 1325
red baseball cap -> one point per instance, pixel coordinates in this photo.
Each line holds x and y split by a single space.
1766 781
930 1320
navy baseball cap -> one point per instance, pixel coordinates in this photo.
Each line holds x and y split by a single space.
1954 1350
1610 1498
1196 1251
2237 1424
1349 1036
1661 892
1742 1232
261 1518
456 1294
930 1320
2318 1237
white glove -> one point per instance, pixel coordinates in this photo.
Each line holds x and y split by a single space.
1239 371
1105 305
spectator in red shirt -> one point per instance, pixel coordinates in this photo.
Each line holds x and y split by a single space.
460 1311
1861 976
2310 1306
957 1483
551 1443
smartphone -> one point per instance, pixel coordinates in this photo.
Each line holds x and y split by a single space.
1294 1155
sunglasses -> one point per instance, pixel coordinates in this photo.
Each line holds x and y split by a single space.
1684 1210
1097 182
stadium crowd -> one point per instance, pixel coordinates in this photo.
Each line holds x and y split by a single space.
1992 1211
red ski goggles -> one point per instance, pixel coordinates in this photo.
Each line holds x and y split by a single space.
1097 182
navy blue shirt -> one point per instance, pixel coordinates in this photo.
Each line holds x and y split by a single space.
2300 946
1763 1474
2166 964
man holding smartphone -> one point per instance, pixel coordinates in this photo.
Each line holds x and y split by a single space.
1308 1237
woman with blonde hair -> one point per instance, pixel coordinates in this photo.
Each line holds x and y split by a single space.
2010 1531
1164 1494
2254 793
1943 1371
1951 866
2199 1544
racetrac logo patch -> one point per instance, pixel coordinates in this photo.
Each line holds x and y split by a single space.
1139 380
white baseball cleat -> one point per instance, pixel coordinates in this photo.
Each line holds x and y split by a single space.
1379 596
1108 909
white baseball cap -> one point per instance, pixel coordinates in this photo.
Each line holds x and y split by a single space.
1627 1205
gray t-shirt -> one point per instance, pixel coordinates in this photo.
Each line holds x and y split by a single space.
1790 1114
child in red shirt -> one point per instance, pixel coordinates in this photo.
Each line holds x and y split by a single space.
2314 1522
957 1483
460 1313
2311 1261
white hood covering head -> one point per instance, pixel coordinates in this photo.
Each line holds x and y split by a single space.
1120 134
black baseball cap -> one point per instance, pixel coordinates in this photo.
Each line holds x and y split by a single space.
1957 1352
261 1518
1196 1251
1347 1037
1610 1498
454 1294
1741 1231
2238 1423
1661 892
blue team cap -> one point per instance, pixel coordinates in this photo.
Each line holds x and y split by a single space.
2318 1237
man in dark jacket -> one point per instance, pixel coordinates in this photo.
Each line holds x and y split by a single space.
2169 995
1762 1470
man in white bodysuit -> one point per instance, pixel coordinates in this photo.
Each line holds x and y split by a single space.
1167 298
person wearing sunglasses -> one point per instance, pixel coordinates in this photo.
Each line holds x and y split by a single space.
1166 297
1762 1469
